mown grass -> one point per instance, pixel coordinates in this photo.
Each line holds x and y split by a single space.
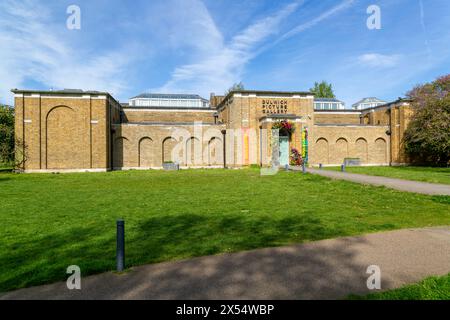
51 221
426 174
432 288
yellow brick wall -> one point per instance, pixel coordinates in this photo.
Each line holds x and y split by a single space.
245 112
63 133
73 133
400 117
329 144
178 115
144 146
336 118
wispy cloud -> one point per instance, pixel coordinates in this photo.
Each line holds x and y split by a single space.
223 65
219 68
40 52
325 15
35 49
424 28
379 60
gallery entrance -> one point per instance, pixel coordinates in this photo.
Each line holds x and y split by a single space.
284 151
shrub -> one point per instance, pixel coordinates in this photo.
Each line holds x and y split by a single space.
427 138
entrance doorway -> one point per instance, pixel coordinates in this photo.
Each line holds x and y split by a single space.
284 151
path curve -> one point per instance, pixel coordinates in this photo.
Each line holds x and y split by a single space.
328 269
398 184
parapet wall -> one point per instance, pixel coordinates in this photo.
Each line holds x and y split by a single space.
331 144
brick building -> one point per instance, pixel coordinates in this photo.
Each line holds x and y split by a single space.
75 130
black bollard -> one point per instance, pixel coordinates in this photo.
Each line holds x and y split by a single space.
120 252
343 167
320 166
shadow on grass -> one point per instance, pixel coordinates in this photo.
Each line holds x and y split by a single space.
441 199
192 235
295 272
28 263
310 271
43 260
445 170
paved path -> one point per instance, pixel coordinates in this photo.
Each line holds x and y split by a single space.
328 269
399 184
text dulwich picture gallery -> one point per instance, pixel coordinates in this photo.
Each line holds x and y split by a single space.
75 130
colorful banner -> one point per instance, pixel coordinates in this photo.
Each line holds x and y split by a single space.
305 144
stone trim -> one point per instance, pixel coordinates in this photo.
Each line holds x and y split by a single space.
336 112
161 168
361 165
172 124
64 170
351 125
169 109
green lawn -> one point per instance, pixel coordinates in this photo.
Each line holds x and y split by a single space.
433 288
51 221
427 174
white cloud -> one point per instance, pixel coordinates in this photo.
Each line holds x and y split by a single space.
327 14
38 50
379 60
33 48
223 63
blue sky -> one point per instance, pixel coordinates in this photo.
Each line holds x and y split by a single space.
194 46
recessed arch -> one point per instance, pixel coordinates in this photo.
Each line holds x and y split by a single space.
193 152
168 144
145 152
361 149
322 139
121 152
57 107
215 151
63 142
380 151
340 151
322 151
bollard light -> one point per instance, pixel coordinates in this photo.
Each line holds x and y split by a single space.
120 250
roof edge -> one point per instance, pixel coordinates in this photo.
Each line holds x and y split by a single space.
65 92
386 105
140 96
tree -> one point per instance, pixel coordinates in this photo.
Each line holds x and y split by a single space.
427 138
323 90
6 134
236 87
